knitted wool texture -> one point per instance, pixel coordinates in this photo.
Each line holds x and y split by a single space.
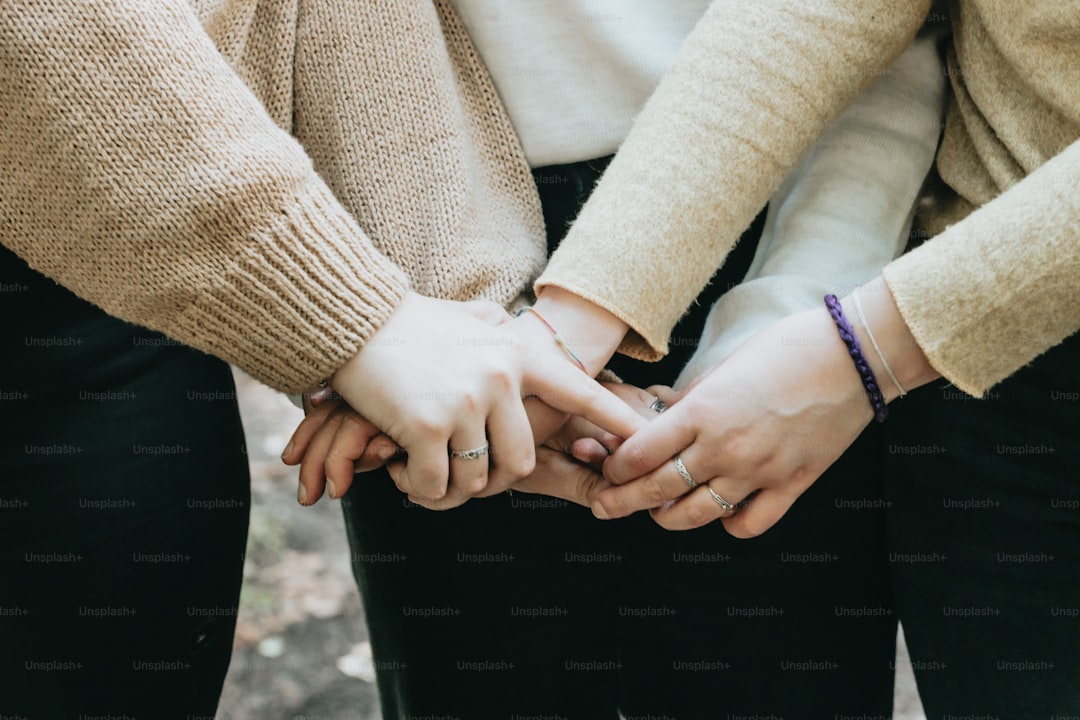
138 169
756 83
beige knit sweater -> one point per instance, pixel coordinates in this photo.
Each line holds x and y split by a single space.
138 170
757 82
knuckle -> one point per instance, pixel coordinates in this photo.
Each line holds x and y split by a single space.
355 423
746 527
501 381
473 486
525 465
655 495
427 426
699 515
635 455
428 486
611 503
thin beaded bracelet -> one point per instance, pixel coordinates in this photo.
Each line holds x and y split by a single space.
847 334
873 341
558 338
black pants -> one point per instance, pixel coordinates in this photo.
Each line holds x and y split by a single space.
523 606
984 541
123 513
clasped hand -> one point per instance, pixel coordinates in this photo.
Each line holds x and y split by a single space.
436 381
752 434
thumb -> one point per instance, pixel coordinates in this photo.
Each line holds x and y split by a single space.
558 476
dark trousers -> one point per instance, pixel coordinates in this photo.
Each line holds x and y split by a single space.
522 606
984 541
124 501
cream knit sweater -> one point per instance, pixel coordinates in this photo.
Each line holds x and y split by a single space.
138 170
756 83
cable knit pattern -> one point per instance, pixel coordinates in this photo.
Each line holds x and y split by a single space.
137 169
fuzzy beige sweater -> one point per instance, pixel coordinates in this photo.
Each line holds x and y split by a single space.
757 82
138 169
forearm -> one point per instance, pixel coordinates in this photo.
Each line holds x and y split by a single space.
998 288
776 75
143 175
590 331
844 212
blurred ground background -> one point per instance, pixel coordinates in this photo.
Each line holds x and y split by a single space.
301 649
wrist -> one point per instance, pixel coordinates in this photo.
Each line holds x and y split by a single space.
339 379
896 346
593 333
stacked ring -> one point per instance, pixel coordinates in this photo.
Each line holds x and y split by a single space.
684 472
719 500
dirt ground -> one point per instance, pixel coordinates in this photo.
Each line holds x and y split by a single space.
301 648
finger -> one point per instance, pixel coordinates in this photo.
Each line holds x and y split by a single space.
566 388
588 451
760 513
662 485
306 430
426 472
513 454
652 446
313 466
380 451
697 509
447 502
468 475
318 397
349 444
558 476
667 394
573 429
396 470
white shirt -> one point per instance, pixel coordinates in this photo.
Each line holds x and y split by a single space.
573 74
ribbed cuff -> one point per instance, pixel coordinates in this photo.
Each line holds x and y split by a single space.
296 302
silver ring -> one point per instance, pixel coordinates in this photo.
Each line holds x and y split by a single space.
474 454
658 406
719 500
683 471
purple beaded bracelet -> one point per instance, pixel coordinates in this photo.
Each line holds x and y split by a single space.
847 334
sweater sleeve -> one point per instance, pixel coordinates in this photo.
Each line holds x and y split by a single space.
846 210
999 288
752 88
137 170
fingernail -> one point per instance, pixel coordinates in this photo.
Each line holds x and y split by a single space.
301 495
599 511
287 450
330 489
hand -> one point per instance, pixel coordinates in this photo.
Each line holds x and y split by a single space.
332 443
568 465
766 422
591 445
761 426
337 442
436 378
